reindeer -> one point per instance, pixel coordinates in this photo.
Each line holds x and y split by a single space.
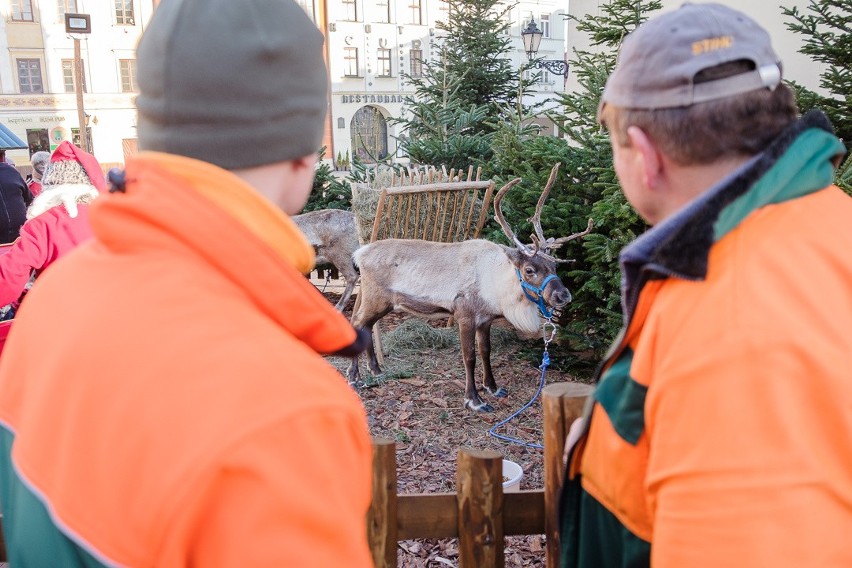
333 235
474 281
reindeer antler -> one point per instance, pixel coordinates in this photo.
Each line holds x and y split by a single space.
542 243
562 240
498 213
539 238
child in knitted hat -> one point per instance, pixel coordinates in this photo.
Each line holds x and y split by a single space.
57 219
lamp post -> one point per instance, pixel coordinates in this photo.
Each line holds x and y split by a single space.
76 24
531 37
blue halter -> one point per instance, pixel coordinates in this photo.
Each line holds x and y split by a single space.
545 311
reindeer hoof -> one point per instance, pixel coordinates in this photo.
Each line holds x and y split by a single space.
481 407
499 393
357 384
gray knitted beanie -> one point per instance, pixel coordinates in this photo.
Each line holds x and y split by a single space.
237 83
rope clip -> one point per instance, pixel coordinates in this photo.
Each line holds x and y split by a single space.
548 329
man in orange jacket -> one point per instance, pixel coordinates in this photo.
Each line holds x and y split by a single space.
163 400
720 432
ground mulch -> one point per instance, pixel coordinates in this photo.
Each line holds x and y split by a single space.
418 401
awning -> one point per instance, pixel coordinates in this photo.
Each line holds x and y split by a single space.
8 140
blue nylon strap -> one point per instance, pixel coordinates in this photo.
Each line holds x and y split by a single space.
538 299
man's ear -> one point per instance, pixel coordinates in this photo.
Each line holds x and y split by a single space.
651 159
308 161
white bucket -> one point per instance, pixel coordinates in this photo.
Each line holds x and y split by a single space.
513 473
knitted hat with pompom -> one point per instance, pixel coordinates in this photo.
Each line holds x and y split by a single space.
72 177
71 165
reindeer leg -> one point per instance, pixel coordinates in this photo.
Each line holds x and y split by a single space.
483 340
360 319
354 374
372 360
347 292
467 338
351 275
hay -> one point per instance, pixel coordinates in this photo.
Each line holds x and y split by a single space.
416 335
365 200
423 217
416 216
413 339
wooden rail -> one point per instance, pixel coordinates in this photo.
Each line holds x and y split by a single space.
479 514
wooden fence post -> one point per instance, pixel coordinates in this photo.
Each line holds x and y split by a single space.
381 517
479 483
562 403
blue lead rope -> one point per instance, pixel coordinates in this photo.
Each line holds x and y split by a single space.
545 362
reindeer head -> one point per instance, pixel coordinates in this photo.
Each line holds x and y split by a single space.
534 263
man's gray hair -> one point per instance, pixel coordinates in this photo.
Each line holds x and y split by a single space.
39 161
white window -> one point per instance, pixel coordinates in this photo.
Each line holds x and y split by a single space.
416 12
29 75
383 11
124 13
544 25
350 61
416 62
383 58
66 6
127 70
542 76
350 10
22 10
68 75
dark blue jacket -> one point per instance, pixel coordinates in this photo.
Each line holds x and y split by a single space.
15 196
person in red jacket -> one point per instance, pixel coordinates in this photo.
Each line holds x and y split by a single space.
57 219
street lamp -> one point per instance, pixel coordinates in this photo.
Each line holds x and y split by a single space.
79 24
532 40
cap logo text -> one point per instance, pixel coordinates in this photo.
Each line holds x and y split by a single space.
712 44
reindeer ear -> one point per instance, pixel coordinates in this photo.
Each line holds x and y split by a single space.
515 256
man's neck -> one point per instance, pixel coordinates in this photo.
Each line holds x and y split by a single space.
688 182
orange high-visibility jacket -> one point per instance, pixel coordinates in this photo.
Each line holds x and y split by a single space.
162 397
721 430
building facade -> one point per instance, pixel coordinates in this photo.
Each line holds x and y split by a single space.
797 66
372 44
37 82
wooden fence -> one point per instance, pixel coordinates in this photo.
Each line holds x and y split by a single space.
479 514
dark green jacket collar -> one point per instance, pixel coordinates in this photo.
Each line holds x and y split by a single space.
801 160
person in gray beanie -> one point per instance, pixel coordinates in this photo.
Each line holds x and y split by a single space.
720 431
183 414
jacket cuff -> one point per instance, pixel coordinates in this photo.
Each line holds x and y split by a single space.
363 337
